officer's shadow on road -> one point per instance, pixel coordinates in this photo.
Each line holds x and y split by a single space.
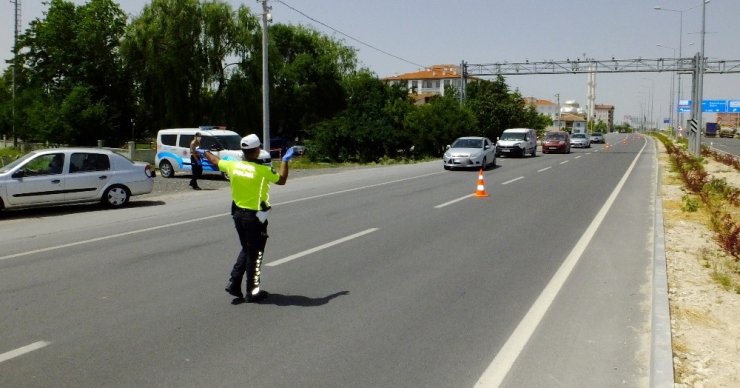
299 300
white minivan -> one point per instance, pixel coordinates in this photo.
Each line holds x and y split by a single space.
518 142
173 149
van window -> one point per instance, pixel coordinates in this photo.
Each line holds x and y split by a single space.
185 140
169 140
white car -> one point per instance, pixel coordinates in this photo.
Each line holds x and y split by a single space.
580 140
71 175
470 152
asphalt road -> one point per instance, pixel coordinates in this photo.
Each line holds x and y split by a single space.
730 146
388 277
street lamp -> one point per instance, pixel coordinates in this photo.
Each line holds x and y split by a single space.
652 99
672 100
266 18
680 45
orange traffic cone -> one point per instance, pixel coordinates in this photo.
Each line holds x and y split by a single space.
481 191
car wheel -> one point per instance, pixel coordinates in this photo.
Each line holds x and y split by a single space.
166 170
225 176
447 167
115 196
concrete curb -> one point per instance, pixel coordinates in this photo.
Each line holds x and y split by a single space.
661 353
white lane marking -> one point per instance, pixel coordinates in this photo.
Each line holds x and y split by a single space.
359 188
103 238
507 355
320 247
563 162
578 156
109 237
23 350
545 169
453 201
512 180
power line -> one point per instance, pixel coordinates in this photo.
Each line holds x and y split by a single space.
349 36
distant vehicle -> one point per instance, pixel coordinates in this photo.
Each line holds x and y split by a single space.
278 146
470 152
71 175
556 141
173 149
727 132
597 137
580 140
711 129
300 149
517 141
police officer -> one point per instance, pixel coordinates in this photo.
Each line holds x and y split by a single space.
250 207
195 162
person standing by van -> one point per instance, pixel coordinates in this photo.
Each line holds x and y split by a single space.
250 206
195 162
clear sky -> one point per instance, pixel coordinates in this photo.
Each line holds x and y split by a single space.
399 36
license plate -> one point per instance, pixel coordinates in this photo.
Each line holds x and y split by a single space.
505 150
552 148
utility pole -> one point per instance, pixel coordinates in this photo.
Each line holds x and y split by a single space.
266 18
17 4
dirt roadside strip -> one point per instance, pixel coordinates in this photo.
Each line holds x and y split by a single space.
703 315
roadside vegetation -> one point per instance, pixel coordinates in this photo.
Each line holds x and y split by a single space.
90 72
719 206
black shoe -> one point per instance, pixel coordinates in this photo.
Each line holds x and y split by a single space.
257 297
234 290
196 188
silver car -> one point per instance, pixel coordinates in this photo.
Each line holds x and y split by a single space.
580 140
70 175
470 152
597 137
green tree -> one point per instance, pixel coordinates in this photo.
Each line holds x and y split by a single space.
497 108
176 51
371 127
436 124
306 70
71 56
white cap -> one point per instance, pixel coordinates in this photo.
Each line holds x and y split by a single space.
250 141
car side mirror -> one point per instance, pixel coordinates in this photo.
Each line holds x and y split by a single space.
448 147
19 174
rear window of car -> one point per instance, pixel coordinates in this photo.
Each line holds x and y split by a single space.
555 136
596 134
169 140
185 140
579 135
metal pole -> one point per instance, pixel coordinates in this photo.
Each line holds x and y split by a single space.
700 84
680 44
265 80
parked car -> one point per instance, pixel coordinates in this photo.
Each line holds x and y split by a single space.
597 137
517 141
470 152
173 149
70 175
580 140
556 141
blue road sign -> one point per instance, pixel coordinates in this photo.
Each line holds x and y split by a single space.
714 106
733 106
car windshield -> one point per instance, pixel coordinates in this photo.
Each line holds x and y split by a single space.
16 162
579 136
467 143
555 136
513 136
596 134
226 142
